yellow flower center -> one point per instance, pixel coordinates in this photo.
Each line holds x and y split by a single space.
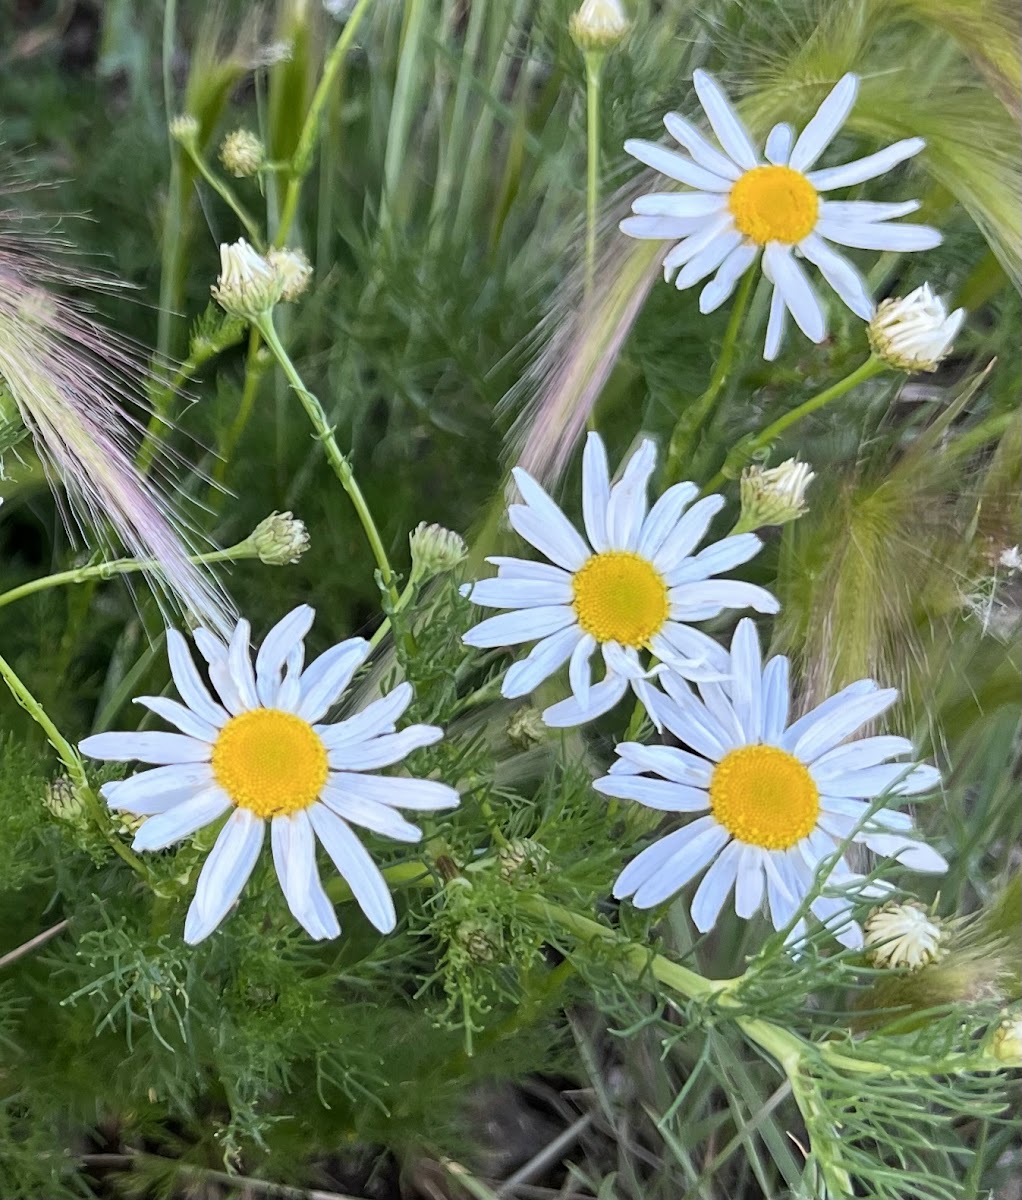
774 204
270 762
764 796
619 597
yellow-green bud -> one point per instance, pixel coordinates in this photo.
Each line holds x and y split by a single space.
184 129
480 941
523 856
599 26
294 271
280 539
902 934
914 332
247 285
1006 1044
435 550
774 495
62 800
242 153
525 728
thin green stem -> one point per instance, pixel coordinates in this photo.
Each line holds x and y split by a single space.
253 375
746 449
337 460
68 755
594 61
696 414
226 193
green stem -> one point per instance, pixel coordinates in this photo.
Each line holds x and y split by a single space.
253 375
337 460
72 764
594 70
226 193
696 414
746 449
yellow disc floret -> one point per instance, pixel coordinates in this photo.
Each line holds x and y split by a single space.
270 762
774 204
620 597
764 796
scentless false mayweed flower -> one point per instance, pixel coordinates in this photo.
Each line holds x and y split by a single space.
902 933
914 333
242 153
780 797
247 286
294 271
280 539
633 586
742 205
599 26
434 550
260 753
774 495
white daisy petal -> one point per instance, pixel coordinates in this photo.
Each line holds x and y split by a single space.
866 211
829 118
523 568
747 679
685 863
676 166
510 628
725 122
696 243
559 531
776 323
880 236
783 895
858 811
179 715
378 717
692 644
679 204
831 727
716 700
669 761
294 857
653 793
900 779
686 134
579 672
843 277
380 818
595 492
623 660
290 691
356 867
715 887
869 752
190 687
796 290
399 791
557 540
156 748
166 828
917 856
708 259
155 791
663 517
224 873
275 648
687 534
709 598
730 271
658 229
519 593
239 661
626 509
649 861
778 144
541 662
720 556
836 916
385 750
865 168
602 698
692 723
326 677
776 698
750 883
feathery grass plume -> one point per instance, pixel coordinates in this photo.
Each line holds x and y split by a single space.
69 377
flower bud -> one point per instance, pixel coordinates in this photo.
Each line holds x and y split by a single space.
242 153
247 285
525 728
914 332
434 550
294 271
599 26
1006 1044
184 129
902 934
773 496
61 799
523 856
280 539
481 941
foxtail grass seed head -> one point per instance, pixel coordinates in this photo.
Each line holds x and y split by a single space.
1006 1044
525 728
242 153
774 495
293 270
184 129
435 550
914 332
247 286
280 539
599 25
902 934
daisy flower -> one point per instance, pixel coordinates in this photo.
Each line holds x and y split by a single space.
742 204
260 753
779 795
634 585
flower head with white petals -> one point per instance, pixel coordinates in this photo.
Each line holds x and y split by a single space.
633 586
260 752
779 795
914 332
741 204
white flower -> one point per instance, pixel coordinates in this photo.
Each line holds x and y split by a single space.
1011 559
247 286
434 550
902 934
242 153
914 333
742 203
294 271
775 495
261 754
599 25
633 586
780 795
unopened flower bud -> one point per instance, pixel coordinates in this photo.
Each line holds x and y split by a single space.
62 800
280 539
525 728
1006 1044
774 495
242 153
294 271
599 26
247 285
523 856
480 941
914 332
434 550
902 934
184 129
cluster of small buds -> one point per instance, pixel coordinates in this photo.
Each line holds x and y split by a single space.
523 856
480 940
1006 1044
247 286
184 129
279 539
903 934
599 25
525 728
294 271
242 153
914 332
62 801
434 550
774 495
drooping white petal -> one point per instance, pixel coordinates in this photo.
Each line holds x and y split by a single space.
711 229
708 259
595 491
602 698
685 863
356 867
385 750
915 855
686 134
715 886
649 861
749 884
823 127
156 748
294 858
865 168
659 794
177 714
778 144
510 628
520 593
796 290
881 236
843 277
399 791
623 660
275 648
676 166
325 678
189 684
858 811
370 814
679 204
730 271
776 322
185 818
378 717
579 669
725 121
224 873
541 662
